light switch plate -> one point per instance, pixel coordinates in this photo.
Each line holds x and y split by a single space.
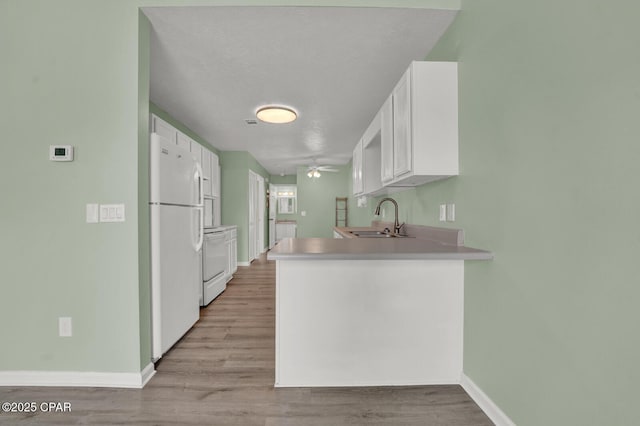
443 212
92 213
451 212
112 213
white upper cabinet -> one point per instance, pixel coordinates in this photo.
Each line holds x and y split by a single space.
207 159
371 149
206 171
215 175
196 150
425 124
402 125
386 141
211 173
356 170
184 141
418 131
164 129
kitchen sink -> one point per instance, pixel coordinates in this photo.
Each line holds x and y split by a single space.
376 234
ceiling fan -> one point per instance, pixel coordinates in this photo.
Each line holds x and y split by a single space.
314 171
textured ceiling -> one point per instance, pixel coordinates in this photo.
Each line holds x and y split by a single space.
213 67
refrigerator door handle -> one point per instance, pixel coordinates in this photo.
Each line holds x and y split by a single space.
200 207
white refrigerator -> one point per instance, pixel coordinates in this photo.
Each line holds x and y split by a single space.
176 201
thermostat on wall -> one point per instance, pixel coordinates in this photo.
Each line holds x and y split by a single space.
60 153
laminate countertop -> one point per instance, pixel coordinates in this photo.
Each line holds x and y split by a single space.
373 249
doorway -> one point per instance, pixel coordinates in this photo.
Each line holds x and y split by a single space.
256 215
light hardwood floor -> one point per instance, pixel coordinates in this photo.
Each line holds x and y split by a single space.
222 373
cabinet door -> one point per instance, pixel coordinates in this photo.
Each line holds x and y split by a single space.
215 176
402 149
217 218
196 150
228 270
164 129
291 230
357 169
386 140
206 171
234 256
184 141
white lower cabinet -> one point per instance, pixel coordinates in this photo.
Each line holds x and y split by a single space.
231 242
285 230
234 255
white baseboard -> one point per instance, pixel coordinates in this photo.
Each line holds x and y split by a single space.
147 373
77 378
244 263
492 411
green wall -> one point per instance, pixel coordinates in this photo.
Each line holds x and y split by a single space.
283 180
549 103
234 171
144 231
74 83
318 198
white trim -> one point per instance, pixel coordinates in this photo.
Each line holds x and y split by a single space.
77 378
147 373
434 382
492 411
244 263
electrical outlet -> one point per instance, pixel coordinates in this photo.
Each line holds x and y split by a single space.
451 212
443 212
65 327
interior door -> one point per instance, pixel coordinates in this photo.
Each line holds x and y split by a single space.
252 243
260 214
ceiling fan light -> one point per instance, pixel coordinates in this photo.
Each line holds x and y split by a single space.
316 174
310 174
276 114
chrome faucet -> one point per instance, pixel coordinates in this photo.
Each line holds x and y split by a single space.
396 224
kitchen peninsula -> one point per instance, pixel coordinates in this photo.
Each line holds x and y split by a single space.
353 311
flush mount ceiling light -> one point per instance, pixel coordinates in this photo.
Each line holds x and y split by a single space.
276 114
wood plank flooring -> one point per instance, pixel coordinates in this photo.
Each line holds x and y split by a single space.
222 373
